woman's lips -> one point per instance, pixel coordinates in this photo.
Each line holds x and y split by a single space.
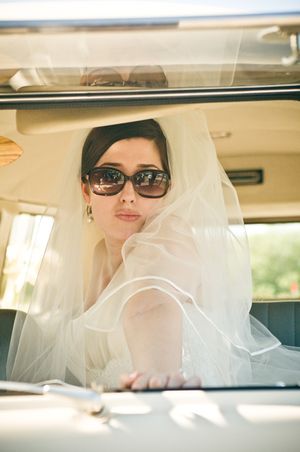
128 216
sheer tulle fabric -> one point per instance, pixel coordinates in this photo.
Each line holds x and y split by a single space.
194 250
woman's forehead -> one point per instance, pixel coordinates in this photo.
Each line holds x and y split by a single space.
132 151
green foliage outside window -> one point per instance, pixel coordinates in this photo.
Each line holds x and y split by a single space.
275 260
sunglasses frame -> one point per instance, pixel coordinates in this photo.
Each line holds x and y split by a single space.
128 178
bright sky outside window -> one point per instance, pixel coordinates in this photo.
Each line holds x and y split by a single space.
28 239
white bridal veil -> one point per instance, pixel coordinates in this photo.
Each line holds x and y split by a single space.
194 249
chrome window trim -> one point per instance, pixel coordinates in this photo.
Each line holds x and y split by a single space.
143 97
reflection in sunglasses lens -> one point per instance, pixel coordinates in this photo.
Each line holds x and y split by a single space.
109 181
140 76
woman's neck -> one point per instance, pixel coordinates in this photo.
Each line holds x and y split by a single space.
114 256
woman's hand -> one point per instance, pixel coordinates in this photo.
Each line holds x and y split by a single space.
148 380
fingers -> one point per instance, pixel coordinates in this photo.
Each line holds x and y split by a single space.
176 381
126 381
139 381
150 381
158 381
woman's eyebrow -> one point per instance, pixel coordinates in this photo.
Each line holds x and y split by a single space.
120 165
111 164
147 165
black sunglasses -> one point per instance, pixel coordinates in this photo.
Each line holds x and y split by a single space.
150 183
140 76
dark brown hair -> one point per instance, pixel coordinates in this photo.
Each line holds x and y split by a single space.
101 138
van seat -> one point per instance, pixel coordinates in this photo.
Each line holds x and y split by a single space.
281 318
7 318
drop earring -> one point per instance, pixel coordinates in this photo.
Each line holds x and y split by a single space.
89 214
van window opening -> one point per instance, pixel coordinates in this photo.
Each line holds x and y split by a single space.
28 239
274 249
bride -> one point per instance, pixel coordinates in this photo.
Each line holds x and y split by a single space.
165 299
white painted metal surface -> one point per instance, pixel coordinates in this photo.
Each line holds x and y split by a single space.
170 421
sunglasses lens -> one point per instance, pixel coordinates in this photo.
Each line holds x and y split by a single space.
148 76
109 181
151 183
106 181
102 77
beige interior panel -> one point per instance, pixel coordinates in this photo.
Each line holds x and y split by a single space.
279 194
250 127
32 122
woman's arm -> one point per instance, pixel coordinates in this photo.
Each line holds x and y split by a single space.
153 328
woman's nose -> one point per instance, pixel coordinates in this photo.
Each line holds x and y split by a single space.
128 193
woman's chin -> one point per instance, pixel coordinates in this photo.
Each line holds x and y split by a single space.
125 233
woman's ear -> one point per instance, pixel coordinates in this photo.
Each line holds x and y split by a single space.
86 192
